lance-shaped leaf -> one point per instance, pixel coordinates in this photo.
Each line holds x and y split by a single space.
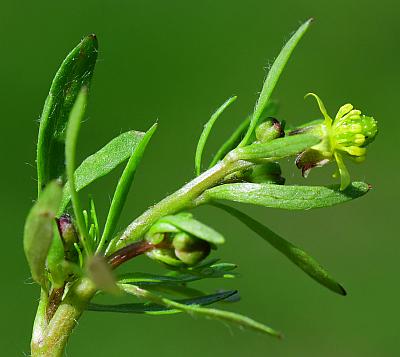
123 186
74 124
158 309
225 316
276 149
235 138
298 256
103 161
38 231
272 78
206 132
75 72
285 197
194 227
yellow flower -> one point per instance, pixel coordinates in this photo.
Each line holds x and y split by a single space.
347 135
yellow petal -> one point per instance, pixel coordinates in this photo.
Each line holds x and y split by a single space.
343 110
344 174
328 119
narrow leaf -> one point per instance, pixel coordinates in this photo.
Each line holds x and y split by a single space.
123 186
156 309
74 123
194 227
220 270
276 149
225 316
272 78
234 140
103 161
285 197
38 231
75 72
299 257
206 132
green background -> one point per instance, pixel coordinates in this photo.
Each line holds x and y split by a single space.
175 62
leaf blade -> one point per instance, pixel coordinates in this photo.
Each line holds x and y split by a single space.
226 316
123 186
75 71
154 309
102 162
285 197
206 132
272 78
299 257
38 230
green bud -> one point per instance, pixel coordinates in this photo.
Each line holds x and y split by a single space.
269 130
68 236
266 173
165 255
189 249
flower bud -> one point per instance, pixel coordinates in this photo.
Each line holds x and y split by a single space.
266 173
68 236
269 130
189 249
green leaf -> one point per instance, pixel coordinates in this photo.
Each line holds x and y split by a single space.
237 135
103 161
206 132
74 124
123 186
75 72
285 197
38 231
194 227
299 257
225 316
277 148
155 309
220 270
272 78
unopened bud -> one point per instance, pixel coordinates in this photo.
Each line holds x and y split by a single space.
269 130
68 236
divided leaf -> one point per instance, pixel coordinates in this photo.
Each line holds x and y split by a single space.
224 316
38 231
75 72
299 257
102 162
157 309
206 132
272 78
285 197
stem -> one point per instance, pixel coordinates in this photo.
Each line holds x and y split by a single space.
50 340
182 199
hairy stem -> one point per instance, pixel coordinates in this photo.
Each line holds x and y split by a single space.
182 199
50 340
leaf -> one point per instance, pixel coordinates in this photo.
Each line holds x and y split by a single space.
103 161
123 186
74 123
194 227
225 316
238 134
272 78
299 257
285 197
154 309
38 231
220 270
100 273
277 148
206 132
75 72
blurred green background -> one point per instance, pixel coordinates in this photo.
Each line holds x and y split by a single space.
176 61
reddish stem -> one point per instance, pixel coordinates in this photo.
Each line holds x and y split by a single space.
128 252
